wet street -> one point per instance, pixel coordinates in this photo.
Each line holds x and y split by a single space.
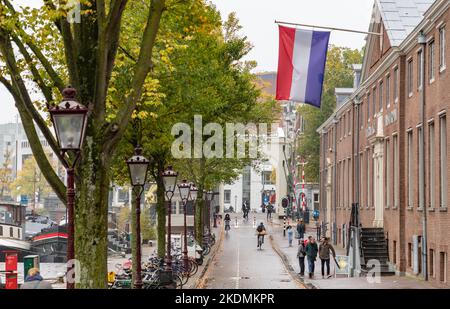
240 265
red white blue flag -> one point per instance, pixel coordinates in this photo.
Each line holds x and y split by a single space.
301 65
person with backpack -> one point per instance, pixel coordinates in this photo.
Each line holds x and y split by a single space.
227 222
324 254
311 254
301 253
261 231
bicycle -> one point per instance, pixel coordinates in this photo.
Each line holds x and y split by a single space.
260 241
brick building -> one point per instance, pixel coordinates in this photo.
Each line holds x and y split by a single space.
371 149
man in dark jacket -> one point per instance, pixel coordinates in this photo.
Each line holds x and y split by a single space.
324 254
311 254
301 228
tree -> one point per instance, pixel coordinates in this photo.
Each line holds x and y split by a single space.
5 173
29 181
338 73
43 46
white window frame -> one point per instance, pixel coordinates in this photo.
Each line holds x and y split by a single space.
442 42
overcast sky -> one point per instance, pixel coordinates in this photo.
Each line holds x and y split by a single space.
257 19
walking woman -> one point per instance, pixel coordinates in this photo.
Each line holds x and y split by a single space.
324 255
301 253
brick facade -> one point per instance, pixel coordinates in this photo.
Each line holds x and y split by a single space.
389 181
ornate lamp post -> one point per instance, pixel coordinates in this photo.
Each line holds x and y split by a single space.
170 181
209 197
69 119
138 167
193 198
185 189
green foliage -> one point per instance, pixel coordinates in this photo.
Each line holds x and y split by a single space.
338 74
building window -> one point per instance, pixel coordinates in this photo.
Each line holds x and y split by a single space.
409 168
410 77
396 84
396 166
180 208
394 252
267 179
1 230
431 70
431 165
419 69
410 254
420 183
380 94
227 196
349 123
368 107
173 207
443 266
374 101
388 173
388 90
350 185
442 48
361 177
11 232
443 160
432 274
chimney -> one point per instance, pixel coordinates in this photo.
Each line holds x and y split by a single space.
356 75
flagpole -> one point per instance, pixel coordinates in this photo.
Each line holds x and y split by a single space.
330 28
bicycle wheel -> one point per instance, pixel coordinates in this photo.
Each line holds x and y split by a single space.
193 267
206 249
178 281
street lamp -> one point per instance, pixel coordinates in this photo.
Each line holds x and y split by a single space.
170 180
209 197
193 198
138 167
185 189
69 119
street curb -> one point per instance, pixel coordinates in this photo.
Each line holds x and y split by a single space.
199 284
289 267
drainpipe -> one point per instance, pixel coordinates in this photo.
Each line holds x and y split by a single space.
334 182
422 40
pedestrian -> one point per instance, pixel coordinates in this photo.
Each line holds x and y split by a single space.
34 280
311 254
301 253
269 212
301 228
324 255
290 233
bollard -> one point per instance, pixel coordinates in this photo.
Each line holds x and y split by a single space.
284 226
254 221
236 222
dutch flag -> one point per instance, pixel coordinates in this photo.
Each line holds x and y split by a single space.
301 65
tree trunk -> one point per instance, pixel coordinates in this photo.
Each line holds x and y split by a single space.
91 215
161 215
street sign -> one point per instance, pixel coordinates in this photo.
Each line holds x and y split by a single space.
266 200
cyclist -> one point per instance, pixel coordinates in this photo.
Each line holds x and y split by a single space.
261 231
227 222
245 210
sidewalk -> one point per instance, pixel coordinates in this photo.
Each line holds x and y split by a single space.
289 257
